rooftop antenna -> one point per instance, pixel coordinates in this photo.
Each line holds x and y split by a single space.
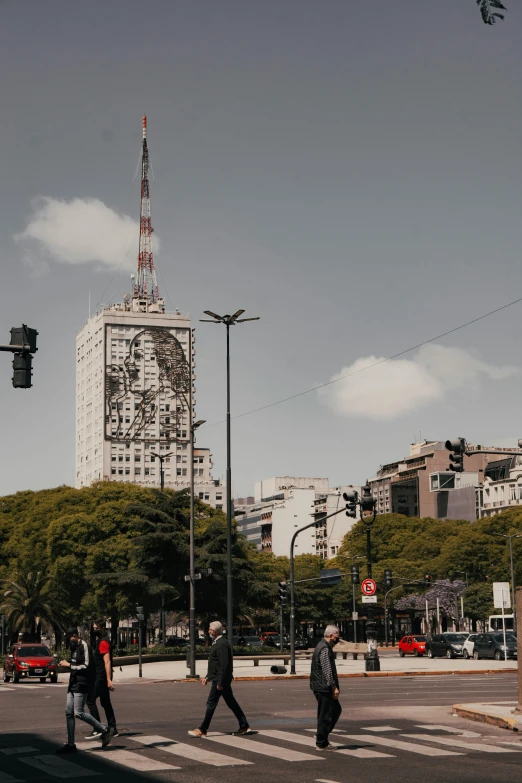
146 285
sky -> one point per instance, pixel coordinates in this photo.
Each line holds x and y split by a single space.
349 172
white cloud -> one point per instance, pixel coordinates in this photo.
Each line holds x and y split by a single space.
80 231
399 386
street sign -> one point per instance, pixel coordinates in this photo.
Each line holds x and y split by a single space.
196 576
330 576
501 595
368 587
355 615
369 599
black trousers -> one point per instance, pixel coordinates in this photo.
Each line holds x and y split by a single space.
328 713
230 701
100 690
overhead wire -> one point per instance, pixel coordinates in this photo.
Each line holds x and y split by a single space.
368 366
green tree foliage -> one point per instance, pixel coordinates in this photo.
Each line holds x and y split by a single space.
489 16
27 600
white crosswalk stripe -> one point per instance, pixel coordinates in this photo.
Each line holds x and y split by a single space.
378 728
18 751
361 753
192 752
57 767
456 743
253 746
126 758
450 729
422 750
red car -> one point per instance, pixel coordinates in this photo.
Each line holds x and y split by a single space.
412 645
30 661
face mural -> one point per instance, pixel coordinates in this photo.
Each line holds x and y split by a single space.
147 396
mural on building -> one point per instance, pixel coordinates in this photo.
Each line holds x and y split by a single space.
137 397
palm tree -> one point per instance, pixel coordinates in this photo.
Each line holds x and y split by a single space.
27 600
486 9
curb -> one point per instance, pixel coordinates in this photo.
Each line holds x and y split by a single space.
480 716
292 677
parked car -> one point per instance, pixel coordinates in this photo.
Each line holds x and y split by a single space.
301 643
449 645
176 641
274 640
248 641
265 634
412 645
491 645
30 661
469 646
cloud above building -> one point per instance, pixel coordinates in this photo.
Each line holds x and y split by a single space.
80 231
375 388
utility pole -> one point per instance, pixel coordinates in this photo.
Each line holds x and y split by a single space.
513 588
228 321
518 708
140 617
369 504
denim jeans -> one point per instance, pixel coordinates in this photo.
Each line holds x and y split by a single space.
75 708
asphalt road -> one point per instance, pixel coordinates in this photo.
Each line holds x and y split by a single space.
398 729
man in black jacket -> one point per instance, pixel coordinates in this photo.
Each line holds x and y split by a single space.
80 681
220 668
325 685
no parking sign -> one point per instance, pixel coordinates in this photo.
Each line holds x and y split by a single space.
368 587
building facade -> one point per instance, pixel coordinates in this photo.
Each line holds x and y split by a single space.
502 486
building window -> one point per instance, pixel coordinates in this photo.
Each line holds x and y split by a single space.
219 505
138 471
113 471
513 492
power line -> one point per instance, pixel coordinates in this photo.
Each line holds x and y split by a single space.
369 366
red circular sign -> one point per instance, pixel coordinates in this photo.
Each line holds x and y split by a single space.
368 587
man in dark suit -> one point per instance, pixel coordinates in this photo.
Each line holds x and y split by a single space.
220 668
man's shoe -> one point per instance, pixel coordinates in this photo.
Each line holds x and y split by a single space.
67 749
197 733
93 735
326 747
116 732
107 736
240 732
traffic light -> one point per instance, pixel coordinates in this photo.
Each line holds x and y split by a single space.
283 592
458 447
25 338
140 616
368 502
351 498
388 579
427 580
355 575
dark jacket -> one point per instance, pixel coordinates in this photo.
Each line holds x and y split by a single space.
318 679
82 669
101 674
220 665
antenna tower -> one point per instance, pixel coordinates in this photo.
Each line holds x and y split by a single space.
146 285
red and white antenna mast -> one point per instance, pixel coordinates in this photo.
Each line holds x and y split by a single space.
146 285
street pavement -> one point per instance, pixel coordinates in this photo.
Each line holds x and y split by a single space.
398 729
390 662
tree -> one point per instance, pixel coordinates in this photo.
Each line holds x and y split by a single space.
486 10
27 600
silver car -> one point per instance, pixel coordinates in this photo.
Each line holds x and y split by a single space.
469 646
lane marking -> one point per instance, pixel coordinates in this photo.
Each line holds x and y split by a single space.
299 739
193 752
21 749
451 729
59 768
378 728
482 746
422 750
323 780
516 744
251 746
136 761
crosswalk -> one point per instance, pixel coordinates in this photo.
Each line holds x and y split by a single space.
163 754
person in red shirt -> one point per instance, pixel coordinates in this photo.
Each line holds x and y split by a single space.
103 679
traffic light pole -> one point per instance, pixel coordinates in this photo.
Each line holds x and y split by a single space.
292 585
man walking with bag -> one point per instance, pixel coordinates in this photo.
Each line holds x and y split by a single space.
220 667
325 685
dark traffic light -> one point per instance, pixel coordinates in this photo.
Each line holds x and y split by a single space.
24 338
351 498
427 579
22 370
368 502
458 449
355 575
283 592
388 579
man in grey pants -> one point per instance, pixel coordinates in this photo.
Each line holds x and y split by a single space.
79 683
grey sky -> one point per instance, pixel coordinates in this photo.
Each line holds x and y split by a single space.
349 171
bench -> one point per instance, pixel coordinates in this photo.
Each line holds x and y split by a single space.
350 648
257 658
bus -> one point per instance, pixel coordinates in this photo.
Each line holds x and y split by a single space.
495 623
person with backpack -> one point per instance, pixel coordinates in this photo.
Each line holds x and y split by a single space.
102 685
80 679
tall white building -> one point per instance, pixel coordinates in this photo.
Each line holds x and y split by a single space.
135 384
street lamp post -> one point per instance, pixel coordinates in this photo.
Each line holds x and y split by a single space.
513 594
354 604
228 320
368 503
192 598
162 458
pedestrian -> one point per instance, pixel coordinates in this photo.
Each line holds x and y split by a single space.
102 685
325 684
81 667
220 668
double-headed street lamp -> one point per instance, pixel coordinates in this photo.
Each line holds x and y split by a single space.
228 321
162 458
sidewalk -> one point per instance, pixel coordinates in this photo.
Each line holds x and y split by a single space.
494 713
391 665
